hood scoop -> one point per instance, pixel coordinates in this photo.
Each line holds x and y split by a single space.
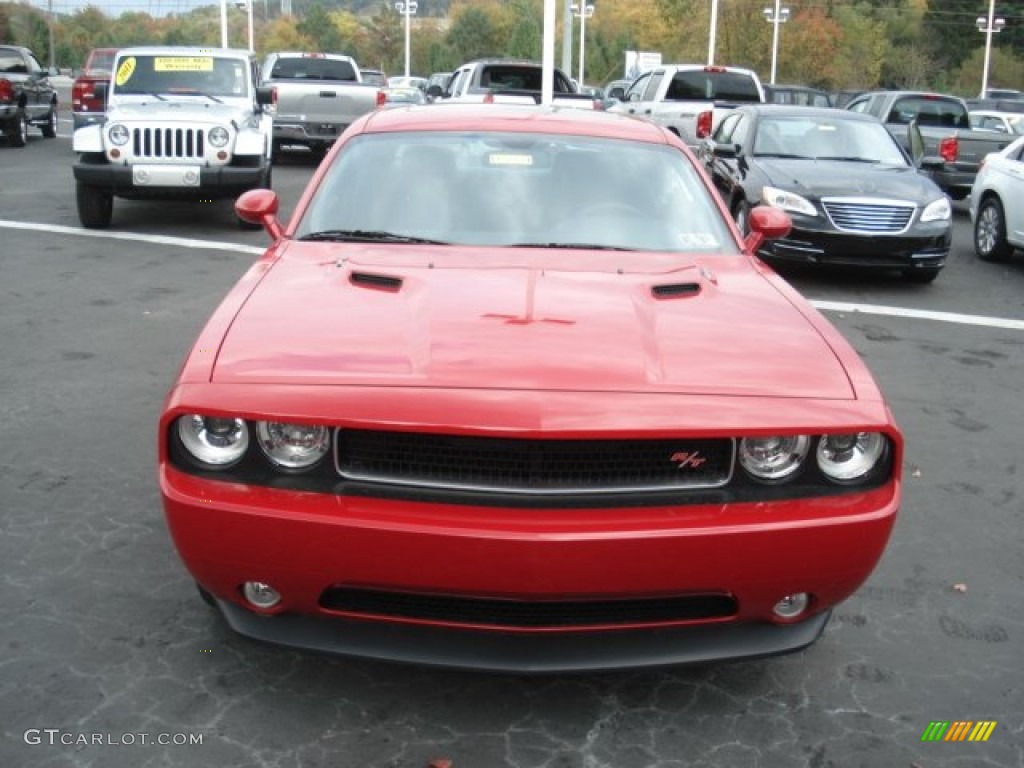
675 290
376 281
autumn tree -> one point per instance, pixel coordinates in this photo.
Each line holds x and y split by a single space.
472 34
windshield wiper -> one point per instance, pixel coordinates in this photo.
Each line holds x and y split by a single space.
578 246
785 155
850 159
367 236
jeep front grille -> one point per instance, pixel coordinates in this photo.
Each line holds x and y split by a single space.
185 143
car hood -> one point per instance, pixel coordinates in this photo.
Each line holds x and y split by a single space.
179 107
510 319
827 178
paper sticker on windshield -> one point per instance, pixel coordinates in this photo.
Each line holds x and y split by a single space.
508 158
697 240
125 71
183 64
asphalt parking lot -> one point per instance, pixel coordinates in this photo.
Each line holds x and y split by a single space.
110 658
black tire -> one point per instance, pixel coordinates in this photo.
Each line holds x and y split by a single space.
990 231
921 276
49 128
741 213
95 206
19 136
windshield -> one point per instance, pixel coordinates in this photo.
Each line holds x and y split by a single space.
198 75
821 138
515 189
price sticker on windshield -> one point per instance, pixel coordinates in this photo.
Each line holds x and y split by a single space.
125 71
183 64
507 158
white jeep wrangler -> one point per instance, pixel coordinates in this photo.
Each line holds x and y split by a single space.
182 123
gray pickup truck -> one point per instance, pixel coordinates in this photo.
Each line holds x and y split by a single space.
690 99
946 129
26 96
316 96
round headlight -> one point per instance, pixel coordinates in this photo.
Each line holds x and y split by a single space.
848 458
292 446
219 136
213 440
118 134
773 458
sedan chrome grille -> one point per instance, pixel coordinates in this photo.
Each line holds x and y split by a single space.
869 215
523 466
185 143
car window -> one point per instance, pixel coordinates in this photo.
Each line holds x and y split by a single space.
713 85
860 105
497 189
635 91
827 137
653 86
313 68
723 135
175 73
930 111
12 63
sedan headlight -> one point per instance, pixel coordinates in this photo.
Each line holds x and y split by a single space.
118 134
938 210
219 136
850 457
292 446
773 458
787 201
214 441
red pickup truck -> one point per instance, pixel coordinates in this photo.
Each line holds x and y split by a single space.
86 107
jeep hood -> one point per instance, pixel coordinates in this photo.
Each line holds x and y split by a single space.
178 107
329 314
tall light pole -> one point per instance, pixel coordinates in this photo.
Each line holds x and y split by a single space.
223 23
246 5
713 32
407 8
567 37
776 17
988 26
584 11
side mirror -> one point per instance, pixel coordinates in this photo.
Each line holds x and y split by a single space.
266 95
260 206
435 91
617 93
724 150
766 223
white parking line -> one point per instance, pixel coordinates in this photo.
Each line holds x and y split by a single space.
829 306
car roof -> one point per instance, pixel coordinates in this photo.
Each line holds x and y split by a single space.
178 50
792 110
515 118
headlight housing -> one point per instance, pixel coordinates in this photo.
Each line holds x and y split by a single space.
848 458
787 201
118 134
219 136
214 442
937 210
292 446
774 458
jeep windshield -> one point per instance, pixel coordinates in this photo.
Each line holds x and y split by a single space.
207 76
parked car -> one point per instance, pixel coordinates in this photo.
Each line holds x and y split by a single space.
316 96
1003 93
799 95
27 98
509 391
690 99
87 107
509 81
403 97
946 128
1011 123
182 123
855 197
407 82
616 90
374 77
996 209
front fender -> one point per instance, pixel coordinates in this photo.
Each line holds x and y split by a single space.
251 143
88 139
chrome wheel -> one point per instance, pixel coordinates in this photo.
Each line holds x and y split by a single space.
990 232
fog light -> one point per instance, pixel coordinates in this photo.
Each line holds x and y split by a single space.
792 606
261 595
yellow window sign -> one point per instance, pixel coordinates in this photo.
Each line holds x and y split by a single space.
125 71
183 64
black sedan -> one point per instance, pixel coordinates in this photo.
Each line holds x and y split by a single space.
855 197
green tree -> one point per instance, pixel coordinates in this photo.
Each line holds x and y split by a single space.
472 34
318 27
386 39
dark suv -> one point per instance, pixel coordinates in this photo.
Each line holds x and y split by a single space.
26 95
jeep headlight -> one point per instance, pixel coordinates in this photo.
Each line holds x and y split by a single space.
118 134
219 136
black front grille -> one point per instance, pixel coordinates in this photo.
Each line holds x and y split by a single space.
168 142
501 612
512 465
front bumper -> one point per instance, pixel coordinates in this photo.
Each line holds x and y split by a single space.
307 544
220 182
310 134
907 251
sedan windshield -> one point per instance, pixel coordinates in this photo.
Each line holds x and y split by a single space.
516 189
826 138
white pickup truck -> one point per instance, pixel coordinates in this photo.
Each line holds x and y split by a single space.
316 96
509 81
690 99
182 123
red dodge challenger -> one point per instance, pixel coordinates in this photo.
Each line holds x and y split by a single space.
511 392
